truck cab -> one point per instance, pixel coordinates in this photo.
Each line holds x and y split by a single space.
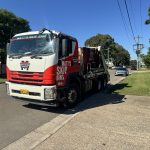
43 66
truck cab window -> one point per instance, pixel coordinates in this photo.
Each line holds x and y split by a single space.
62 48
69 50
66 47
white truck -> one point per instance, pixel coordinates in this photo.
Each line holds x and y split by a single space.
45 66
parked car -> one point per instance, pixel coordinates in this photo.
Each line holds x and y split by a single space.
121 71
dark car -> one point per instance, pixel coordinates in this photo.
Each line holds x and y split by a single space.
121 71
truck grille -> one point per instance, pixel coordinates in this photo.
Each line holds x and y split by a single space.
27 77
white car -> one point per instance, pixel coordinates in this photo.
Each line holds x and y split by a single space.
121 71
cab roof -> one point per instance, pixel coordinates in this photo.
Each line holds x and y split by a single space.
45 32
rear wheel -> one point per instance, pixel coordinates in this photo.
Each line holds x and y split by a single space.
99 85
104 84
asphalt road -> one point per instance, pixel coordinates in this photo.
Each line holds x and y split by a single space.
113 78
18 118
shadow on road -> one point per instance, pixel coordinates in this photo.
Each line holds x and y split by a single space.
89 102
115 88
109 96
52 109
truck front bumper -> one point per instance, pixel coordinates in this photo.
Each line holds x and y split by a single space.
41 93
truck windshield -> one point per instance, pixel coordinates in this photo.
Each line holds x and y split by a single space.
32 44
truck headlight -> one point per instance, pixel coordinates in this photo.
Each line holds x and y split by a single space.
50 93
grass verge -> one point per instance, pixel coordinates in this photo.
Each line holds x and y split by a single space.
135 84
2 79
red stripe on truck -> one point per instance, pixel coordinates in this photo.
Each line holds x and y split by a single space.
48 77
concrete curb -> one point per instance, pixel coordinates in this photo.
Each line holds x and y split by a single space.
34 138
39 135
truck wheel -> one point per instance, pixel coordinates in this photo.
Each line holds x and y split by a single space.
72 96
99 85
104 84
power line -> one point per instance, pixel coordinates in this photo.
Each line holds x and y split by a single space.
129 20
141 16
133 15
123 19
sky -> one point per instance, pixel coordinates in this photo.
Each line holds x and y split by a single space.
83 19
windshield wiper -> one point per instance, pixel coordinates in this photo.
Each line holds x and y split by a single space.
36 57
39 54
15 56
18 56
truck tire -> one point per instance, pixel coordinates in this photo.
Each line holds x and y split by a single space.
73 96
104 84
99 85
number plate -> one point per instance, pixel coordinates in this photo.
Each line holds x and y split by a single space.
24 91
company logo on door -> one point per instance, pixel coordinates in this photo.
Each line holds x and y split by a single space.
24 65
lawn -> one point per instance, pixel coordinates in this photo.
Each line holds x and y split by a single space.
135 84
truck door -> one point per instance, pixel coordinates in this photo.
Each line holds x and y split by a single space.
64 61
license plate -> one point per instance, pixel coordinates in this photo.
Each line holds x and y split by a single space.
24 91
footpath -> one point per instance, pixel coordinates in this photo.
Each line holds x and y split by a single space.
101 122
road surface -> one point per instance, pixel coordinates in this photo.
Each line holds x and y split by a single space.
18 119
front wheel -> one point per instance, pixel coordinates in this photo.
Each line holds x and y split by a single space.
73 96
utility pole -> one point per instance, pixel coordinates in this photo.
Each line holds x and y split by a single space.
138 47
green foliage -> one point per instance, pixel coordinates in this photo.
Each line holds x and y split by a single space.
136 84
133 63
148 20
119 55
100 40
146 59
10 25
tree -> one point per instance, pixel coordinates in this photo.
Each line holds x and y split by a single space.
146 59
10 25
133 63
100 40
148 20
119 55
